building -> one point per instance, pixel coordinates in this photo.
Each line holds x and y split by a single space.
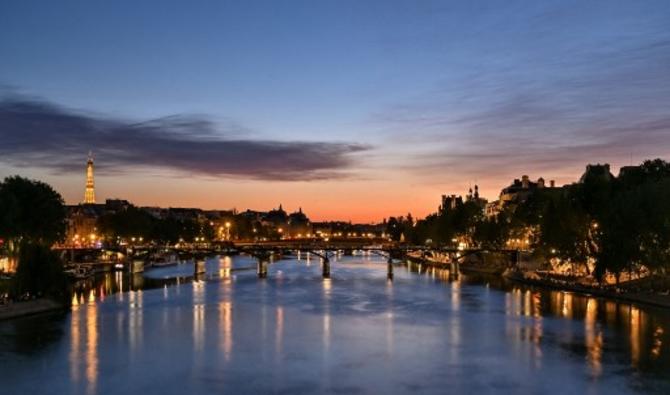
298 225
516 193
89 192
520 190
275 218
600 172
473 196
450 202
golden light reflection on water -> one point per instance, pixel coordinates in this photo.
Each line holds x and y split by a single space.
279 331
593 338
136 318
75 339
635 335
526 303
224 273
83 357
119 281
566 309
456 295
198 326
226 326
657 345
534 308
225 267
513 302
198 314
91 347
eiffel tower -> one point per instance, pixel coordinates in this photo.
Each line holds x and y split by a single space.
89 195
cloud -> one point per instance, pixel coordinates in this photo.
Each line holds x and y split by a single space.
35 133
604 105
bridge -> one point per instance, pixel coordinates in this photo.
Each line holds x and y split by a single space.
323 249
326 249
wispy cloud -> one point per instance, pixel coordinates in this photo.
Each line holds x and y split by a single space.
605 104
35 133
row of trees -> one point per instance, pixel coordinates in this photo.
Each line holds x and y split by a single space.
134 221
32 219
602 224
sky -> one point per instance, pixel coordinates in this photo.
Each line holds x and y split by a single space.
352 110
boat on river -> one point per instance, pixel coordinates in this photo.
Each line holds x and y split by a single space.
166 260
79 272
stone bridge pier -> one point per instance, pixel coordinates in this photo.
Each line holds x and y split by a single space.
326 267
262 267
389 268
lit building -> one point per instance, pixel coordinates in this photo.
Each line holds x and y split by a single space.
89 194
299 225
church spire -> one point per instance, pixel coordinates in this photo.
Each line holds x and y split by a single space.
89 194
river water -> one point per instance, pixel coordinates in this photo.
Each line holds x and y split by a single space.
427 331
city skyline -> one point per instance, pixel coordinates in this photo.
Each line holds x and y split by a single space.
352 111
472 193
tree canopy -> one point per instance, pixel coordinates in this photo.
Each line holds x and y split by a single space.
31 211
609 224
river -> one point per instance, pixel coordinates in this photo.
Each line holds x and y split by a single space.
427 331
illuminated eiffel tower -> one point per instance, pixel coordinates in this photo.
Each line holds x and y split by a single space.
89 195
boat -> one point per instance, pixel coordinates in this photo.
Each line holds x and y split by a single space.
166 260
79 272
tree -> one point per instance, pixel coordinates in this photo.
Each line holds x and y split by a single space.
30 211
128 223
135 222
395 228
565 230
39 273
492 232
32 218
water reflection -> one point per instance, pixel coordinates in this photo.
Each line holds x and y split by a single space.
658 342
135 320
226 329
356 332
638 332
327 287
279 331
593 338
198 314
83 356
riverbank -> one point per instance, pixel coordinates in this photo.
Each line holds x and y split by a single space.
651 299
30 307
642 298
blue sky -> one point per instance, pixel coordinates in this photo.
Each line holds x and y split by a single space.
430 96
